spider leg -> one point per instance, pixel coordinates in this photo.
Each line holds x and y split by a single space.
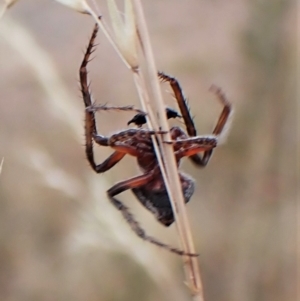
221 123
227 109
96 108
193 145
135 226
190 126
90 123
185 146
182 102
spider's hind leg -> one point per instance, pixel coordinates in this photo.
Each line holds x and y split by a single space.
135 226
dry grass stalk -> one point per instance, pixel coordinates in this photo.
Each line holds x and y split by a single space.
126 39
165 153
174 190
7 4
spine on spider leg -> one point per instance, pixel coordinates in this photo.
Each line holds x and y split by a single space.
90 123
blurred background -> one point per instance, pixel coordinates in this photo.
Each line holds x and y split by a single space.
60 239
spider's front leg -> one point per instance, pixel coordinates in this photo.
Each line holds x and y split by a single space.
135 226
90 123
190 126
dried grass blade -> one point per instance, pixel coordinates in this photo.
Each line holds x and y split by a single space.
175 193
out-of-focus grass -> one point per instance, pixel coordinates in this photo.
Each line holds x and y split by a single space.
1 165
60 238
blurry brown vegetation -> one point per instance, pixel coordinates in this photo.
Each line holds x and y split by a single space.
59 237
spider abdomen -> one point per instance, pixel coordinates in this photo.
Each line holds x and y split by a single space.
157 200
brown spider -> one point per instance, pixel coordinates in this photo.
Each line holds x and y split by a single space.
149 187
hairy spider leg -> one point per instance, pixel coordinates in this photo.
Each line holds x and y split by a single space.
227 110
190 126
121 150
90 122
135 183
187 147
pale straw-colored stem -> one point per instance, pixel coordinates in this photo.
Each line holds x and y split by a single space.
151 120
174 190
105 30
165 153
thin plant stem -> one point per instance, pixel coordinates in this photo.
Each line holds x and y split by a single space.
105 30
151 121
174 191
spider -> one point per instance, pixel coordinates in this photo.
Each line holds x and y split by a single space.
149 187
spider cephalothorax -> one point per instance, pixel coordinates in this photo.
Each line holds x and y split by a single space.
149 187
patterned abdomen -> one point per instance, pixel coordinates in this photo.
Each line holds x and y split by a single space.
158 202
